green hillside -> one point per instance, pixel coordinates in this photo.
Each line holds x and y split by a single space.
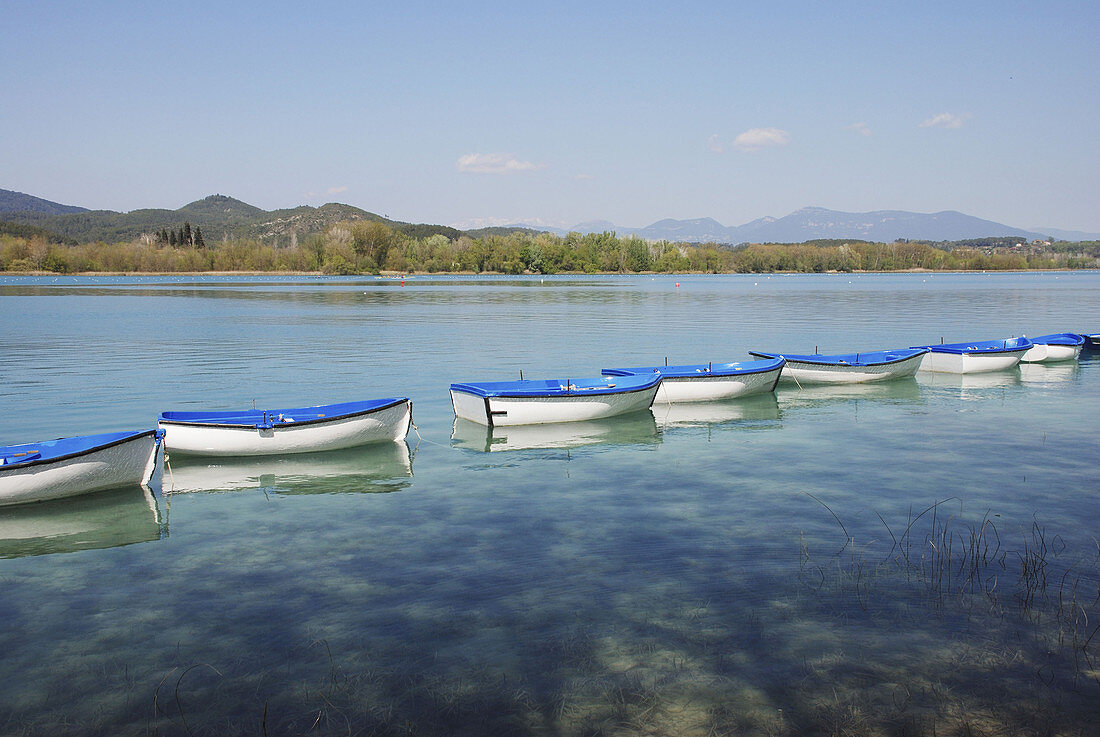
220 217
12 201
22 230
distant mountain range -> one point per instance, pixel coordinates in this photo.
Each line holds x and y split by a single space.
220 217
814 223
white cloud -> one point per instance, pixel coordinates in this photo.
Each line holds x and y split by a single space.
860 128
755 138
946 120
494 164
581 177
336 190
715 145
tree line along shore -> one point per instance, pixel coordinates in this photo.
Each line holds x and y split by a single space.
368 247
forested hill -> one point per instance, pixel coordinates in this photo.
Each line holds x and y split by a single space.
18 202
220 217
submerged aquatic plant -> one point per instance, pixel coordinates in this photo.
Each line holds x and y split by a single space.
960 568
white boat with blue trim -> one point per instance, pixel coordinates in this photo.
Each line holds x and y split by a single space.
848 368
1056 347
537 401
976 357
255 432
708 382
53 469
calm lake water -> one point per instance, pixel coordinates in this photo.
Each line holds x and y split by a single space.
914 558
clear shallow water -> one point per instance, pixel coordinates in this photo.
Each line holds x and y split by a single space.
754 567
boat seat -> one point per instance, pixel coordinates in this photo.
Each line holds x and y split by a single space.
11 459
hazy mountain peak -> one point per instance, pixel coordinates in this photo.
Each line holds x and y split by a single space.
596 226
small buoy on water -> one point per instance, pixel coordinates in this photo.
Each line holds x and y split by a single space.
677 283
402 282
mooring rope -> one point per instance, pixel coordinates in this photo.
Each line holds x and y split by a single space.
171 476
420 439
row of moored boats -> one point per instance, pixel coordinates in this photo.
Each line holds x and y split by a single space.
76 465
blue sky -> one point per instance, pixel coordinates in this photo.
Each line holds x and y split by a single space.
564 112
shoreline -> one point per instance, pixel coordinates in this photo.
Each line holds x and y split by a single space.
414 274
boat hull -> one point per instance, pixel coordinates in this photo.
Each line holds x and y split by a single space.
130 461
799 372
847 368
1050 353
389 423
715 388
971 363
505 411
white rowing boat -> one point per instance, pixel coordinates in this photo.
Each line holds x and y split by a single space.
1052 348
532 402
974 358
53 469
709 382
274 432
848 368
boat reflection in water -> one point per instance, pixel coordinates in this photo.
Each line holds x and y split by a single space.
106 519
1048 373
761 410
636 428
972 386
899 391
379 468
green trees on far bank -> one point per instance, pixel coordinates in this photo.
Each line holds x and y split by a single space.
363 246
186 238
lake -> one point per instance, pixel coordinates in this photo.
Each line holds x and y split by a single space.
918 557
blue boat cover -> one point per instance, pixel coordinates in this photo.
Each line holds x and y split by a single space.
268 418
699 370
555 388
982 346
870 358
62 448
1059 339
